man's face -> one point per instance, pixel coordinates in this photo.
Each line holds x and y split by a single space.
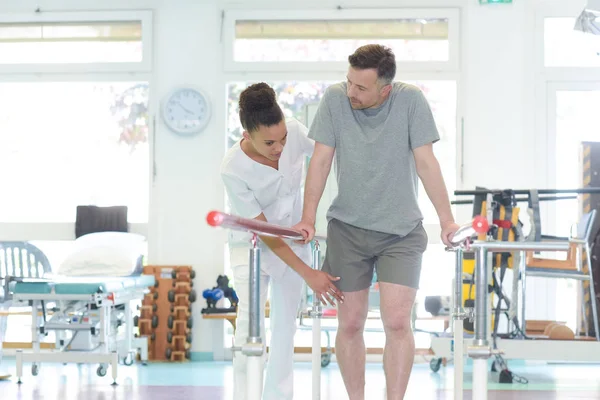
364 89
269 141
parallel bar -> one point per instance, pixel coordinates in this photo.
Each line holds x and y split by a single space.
526 192
522 199
478 225
503 246
216 218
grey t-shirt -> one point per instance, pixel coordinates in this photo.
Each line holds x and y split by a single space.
374 163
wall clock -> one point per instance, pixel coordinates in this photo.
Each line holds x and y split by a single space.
186 111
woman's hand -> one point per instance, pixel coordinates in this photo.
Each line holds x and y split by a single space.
322 284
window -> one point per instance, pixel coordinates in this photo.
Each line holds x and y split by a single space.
572 119
323 40
303 52
92 42
64 144
69 42
293 97
317 41
566 47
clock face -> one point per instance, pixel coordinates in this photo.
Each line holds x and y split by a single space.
186 111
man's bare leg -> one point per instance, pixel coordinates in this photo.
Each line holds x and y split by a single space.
399 352
349 342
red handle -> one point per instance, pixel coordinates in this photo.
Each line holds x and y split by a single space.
480 224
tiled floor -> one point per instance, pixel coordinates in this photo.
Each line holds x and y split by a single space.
211 380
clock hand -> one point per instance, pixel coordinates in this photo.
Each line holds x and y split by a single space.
185 109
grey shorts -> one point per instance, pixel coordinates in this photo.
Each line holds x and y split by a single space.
353 253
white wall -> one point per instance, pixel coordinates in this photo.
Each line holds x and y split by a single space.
497 101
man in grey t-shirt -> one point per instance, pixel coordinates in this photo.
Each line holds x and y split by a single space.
381 134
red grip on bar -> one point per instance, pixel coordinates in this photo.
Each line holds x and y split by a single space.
214 218
480 224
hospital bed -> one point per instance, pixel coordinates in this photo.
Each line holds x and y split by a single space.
85 314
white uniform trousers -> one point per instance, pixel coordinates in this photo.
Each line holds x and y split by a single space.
285 299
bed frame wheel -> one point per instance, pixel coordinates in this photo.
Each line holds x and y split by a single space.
128 359
435 364
35 369
101 371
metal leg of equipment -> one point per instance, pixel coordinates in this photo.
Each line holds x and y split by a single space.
316 313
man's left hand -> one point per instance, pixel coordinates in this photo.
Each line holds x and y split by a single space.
448 230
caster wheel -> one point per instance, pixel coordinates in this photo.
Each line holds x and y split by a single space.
170 322
169 353
435 364
325 360
136 320
128 360
189 337
192 274
35 369
170 337
101 371
190 322
171 296
192 296
155 321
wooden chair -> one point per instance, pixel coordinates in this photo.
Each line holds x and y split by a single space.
571 268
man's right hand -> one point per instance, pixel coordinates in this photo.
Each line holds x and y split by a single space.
322 284
307 229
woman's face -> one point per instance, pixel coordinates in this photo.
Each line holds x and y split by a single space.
269 141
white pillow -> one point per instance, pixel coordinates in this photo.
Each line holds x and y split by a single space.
104 254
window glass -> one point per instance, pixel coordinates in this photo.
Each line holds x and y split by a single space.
317 40
64 144
81 42
566 47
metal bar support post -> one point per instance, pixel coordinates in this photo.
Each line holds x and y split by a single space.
316 313
253 349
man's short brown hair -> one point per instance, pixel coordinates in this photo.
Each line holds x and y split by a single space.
377 57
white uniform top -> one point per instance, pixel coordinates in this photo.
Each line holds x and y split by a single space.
253 188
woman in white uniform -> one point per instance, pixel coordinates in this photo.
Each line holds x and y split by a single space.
262 174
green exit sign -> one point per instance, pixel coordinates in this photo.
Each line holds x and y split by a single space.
495 1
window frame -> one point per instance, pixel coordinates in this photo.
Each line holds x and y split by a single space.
547 80
336 71
558 73
230 18
145 17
